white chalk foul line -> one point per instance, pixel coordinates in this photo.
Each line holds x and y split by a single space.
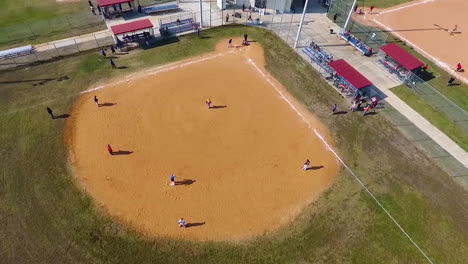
406 6
281 95
435 60
158 70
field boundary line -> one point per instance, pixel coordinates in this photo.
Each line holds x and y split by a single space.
406 6
339 159
133 76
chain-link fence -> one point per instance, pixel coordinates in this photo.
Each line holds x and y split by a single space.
371 36
437 100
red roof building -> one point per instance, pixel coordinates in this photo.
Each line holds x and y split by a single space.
350 74
104 3
403 57
131 26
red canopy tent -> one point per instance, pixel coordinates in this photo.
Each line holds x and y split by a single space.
401 56
104 3
132 26
350 74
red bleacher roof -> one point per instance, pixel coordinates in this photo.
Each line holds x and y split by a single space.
402 56
131 26
112 2
347 71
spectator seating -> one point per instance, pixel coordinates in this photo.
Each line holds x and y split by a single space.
175 27
355 42
17 52
160 8
319 56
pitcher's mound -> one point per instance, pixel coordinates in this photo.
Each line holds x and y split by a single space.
238 165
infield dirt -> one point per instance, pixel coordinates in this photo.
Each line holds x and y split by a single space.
238 165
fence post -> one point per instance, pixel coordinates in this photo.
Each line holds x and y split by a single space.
56 49
77 47
210 13
30 29
201 13
96 40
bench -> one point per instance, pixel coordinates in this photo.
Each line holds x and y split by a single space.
320 57
175 27
160 8
17 52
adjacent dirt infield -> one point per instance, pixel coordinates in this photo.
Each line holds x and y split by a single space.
238 165
436 28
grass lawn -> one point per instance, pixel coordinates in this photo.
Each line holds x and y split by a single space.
438 119
46 219
25 22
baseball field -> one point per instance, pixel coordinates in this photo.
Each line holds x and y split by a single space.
64 199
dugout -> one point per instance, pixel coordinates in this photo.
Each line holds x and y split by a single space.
115 8
399 61
140 31
348 80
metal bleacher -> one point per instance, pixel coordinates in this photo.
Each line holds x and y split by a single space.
160 8
16 52
175 27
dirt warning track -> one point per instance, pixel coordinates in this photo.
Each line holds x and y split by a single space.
238 165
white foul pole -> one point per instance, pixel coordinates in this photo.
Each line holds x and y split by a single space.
201 14
349 15
300 24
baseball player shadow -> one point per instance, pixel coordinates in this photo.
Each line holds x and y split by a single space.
122 152
62 116
107 104
185 182
315 167
340 113
194 224
218 106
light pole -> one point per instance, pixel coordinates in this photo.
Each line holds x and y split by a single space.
300 23
349 15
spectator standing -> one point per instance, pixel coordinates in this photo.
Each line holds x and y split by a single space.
96 101
198 32
139 9
112 64
103 52
51 113
334 109
227 17
90 4
353 106
243 7
92 10
245 37
355 8
99 9
334 17
450 81
366 110
112 49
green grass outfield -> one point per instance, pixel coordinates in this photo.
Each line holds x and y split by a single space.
45 218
